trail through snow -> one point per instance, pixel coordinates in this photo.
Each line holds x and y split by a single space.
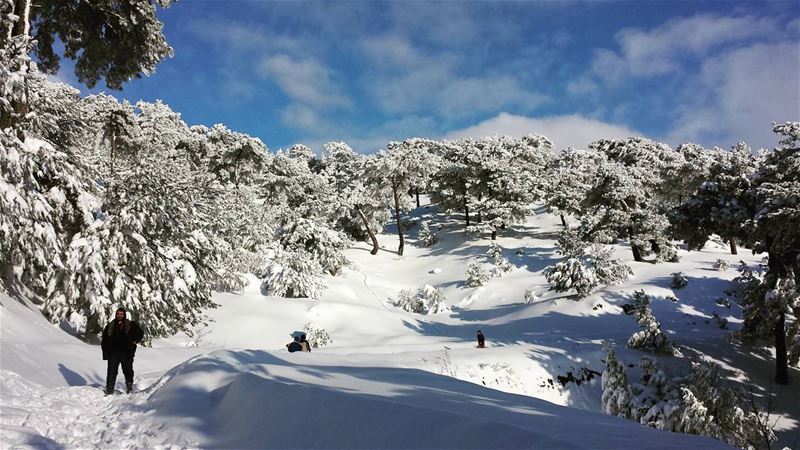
85 417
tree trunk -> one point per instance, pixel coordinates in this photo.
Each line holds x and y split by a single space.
466 211
637 254
656 247
416 191
494 234
397 216
369 231
781 359
777 269
734 250
22 8
563 221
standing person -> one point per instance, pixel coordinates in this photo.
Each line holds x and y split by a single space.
481 340
119 340
305 346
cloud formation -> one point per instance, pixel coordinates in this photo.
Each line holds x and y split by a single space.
565 131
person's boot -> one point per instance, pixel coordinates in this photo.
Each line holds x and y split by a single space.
128 387
109 390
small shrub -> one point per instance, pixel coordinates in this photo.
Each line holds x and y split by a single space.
530 296
476 275
722 265
409 301
679 280
316 335
427 238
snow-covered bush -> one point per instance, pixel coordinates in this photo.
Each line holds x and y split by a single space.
477 275
434 300
695 404
408 300
291 274
530 296
616 392
427 237
679 280
317 241
428 300
721 265
316 335
587 271
501 263
650 337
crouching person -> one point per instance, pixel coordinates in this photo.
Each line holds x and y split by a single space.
118 343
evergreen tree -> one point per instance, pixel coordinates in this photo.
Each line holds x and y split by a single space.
772 229
717 206
401 166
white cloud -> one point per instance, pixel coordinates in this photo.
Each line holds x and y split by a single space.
565 131
660 50
749 88
305 80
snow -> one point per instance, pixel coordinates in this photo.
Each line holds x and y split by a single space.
388 378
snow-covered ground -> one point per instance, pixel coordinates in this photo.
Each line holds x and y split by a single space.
389 379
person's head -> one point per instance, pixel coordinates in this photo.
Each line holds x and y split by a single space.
479 332
120 315
297 338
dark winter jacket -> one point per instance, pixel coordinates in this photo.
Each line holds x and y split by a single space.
294 346
121 336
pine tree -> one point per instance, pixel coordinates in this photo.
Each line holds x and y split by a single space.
772 228
628 196
616 399
402 166
427 237
476 275
718 206
649 338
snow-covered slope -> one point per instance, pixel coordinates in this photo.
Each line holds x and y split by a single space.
390 379
260 399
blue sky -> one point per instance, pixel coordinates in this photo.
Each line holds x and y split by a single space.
712 72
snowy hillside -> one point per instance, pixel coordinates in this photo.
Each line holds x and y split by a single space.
386 371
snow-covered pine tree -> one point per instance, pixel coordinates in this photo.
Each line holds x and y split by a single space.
147 251
408 300
616 398
627 199
772 229
568 176
511 177
649 338
364 207
233 157
456 178
585 269
318 242
434 300
402 166
679 280
501 263
477 275
45 198
290 274
718 206
316 335
427 237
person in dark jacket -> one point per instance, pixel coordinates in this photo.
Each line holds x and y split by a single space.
119 340
305 346
294 346
481 340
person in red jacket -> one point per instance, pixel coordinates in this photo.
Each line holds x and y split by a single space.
118 343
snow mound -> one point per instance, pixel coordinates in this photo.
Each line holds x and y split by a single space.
254 399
